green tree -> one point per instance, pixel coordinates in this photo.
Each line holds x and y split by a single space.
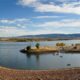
28 48
37 45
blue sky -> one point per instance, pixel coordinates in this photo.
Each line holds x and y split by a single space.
30 17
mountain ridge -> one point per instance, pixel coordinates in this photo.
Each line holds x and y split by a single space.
52 36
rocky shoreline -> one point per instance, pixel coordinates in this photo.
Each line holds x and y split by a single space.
57 74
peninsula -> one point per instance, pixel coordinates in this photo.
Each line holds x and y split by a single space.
47 49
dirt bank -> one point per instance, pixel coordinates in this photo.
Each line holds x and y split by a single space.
59 74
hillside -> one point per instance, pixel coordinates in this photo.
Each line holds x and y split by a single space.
52 36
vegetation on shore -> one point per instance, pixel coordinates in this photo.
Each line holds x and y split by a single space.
25 39
32 39
37 45
40 49
57 48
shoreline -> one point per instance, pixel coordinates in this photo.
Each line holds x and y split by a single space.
55 74
34 39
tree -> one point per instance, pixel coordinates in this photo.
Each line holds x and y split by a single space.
37 45
28 48
60 44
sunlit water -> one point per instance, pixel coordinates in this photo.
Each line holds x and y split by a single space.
11 57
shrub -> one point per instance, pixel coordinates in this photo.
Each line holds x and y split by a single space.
37 45
28 48
60 44
57 44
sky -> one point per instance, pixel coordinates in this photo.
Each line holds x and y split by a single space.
31 17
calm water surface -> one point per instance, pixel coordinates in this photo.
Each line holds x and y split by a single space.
11 57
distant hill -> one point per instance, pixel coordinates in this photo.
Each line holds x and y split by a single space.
52 36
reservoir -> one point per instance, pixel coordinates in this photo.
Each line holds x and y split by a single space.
11 57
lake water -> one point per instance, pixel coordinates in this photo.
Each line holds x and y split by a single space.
11 57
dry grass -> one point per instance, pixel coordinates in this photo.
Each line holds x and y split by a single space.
44 49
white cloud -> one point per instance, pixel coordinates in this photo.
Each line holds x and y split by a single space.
40 17
73 7
13 27
67 1
46 27
65 8
62 26
6 31
6 21
63 23
21 20
11 21
27 2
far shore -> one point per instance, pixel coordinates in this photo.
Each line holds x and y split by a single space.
34 39
55 74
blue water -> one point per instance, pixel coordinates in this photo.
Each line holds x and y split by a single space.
11 57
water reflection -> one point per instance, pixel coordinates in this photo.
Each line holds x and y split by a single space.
28 56
36 55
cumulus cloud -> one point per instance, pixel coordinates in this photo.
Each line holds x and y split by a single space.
65 7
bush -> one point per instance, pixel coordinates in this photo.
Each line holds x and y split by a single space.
57 44
60 44
37 45
28 48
